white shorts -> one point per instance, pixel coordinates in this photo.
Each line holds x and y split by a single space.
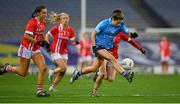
164 58
85 59
57 55
26 53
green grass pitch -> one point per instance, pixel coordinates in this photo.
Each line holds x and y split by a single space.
145 88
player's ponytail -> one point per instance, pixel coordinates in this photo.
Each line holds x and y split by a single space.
54 17
37 10
117 14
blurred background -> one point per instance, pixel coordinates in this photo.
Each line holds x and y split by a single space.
149 18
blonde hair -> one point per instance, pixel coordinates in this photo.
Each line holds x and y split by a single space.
85 33
54 17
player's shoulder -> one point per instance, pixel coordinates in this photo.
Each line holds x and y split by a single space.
44 22
55 27
70 28
104 22
33 20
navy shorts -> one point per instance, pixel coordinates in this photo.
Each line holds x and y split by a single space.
96 48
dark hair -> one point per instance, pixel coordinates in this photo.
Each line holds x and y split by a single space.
117 14
37 10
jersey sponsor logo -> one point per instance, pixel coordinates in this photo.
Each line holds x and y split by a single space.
38 32
63 34
108 36
63 37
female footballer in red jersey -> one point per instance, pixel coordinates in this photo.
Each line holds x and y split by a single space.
107 71
85 44
165 53
61 33
30 49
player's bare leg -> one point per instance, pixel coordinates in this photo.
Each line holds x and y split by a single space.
111 73
89 63
40 62
164 66
105 54
101 75
95 66
81 65
60 71
108 74
61 68
20 70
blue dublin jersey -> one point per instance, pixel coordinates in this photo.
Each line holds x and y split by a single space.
105 33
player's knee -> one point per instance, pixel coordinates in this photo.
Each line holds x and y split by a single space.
42 68
105 77
102 74
63 68
23 74
111 79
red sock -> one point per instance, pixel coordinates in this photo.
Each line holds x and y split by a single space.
39 88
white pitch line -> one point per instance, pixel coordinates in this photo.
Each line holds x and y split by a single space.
101 95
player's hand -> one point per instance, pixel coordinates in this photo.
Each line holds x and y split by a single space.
133 35
143 51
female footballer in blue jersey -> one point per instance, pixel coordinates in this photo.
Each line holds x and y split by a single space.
102 39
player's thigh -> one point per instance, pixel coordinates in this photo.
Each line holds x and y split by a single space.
106 55
62 63
102 69
39 60
24 64
97 63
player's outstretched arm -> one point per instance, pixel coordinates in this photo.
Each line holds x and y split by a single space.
137 46
133 43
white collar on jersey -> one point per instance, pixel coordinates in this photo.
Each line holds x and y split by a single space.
61 27
37 20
